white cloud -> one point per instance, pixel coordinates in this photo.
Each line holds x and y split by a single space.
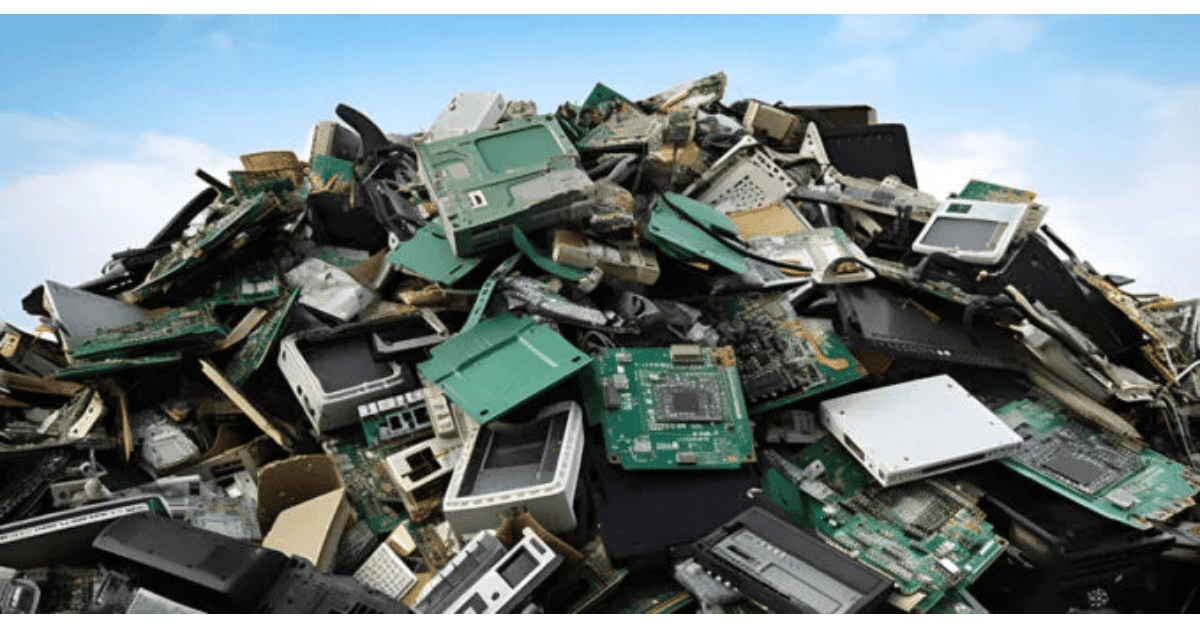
985 35
59 130
64 224
1131 210
945 166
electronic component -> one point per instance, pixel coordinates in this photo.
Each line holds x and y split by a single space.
521 173
707 590
334 371
794 427
786 569
783 358
369 486
487 578
394 417
65 537
27 481
302 589
630 263
386 572
223 574
777 124
165 447
744 178
178 330
18 596
78 315
873 151
626 501
972 231
1103 472
930 535
508 466
251 355
146 602
421 473
331 139
500 363
670 415
29 354
175 268
428 254
832 255
888 321
331 290
678 237
888 429
1065 548
466 112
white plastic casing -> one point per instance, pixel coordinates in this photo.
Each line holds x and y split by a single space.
331 409
978 232
550 502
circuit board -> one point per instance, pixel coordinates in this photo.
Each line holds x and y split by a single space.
598 575
404 415
247 288
258 344
674 408
368 485
1107 474
929 535
179 329
645 593
109 366
783 358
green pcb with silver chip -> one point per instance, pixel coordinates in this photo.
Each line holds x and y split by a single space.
676 408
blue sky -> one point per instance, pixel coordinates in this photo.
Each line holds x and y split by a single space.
104 118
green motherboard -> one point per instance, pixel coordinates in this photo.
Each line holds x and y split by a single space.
677 408
1105 473
929 535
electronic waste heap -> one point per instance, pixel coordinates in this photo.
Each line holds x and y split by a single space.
641 356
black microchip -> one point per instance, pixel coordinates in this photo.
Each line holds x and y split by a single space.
1075 468
685 401
695 399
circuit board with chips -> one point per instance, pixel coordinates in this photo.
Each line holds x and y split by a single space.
258 344
1105 473
368 485
677 408
929 535
784 358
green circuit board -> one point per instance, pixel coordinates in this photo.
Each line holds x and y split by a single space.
784 358
368 485
674 408
1103 472
250 356
929 535
185 328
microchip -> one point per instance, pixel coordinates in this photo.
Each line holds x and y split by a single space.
685 401
689 400
686 457
1075 468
